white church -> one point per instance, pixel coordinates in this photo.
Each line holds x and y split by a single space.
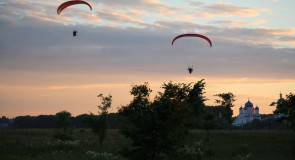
247 114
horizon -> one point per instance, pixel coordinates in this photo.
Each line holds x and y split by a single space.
44 69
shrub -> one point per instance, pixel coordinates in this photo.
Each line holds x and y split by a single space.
63 145
245 157
63 136
102 156
194 152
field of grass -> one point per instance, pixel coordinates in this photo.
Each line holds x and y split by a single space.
258 145
27 144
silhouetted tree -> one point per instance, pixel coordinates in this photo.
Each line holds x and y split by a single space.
63 120
41 121
227 102
78 121
209 122
159 126
98 123
23 122
4 119
4 122
286 107
196 98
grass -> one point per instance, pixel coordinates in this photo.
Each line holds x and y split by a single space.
261 145
27 144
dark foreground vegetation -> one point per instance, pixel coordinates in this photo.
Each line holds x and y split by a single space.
27 144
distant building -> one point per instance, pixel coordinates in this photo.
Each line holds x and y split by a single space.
247 114
279 115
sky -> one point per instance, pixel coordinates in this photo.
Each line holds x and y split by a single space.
120 43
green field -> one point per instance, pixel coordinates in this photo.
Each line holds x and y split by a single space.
27 144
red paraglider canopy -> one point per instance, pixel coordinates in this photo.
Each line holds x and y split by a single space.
69 3
193 35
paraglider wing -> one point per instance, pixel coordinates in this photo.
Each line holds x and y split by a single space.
69 3
193 35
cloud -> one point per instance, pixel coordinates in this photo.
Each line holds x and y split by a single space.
141 13
45 44
287 39
229 10
108 15
240 23
49 47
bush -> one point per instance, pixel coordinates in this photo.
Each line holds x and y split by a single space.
64 136
102 156
194 152
60 145
245 157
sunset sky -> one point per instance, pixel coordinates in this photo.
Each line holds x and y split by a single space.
44 69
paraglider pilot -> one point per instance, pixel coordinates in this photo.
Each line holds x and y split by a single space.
75 33
190 69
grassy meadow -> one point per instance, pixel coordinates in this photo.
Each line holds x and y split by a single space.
28 144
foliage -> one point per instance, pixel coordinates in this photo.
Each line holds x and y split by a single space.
196 98
63 120
209 121
159 127
227 102
66 145
219 119
78 121
41 121
194 152
64 136
106 103
4 122
47 121
98 123
245 157
4 119
265 124
286 108
103 156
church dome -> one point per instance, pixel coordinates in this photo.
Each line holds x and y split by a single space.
241 108
249 104
256 108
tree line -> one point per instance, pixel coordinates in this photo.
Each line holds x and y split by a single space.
210 117
50 121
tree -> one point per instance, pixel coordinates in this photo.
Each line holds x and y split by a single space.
227 102
286 107
98 123
4 119
159 126
196 98
63 120
209 122
4 122
196 101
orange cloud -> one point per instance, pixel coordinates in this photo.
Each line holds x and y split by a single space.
241 23
229 10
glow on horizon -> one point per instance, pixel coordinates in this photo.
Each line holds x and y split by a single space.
80 99
45 70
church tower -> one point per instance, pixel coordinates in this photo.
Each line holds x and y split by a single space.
241 110
256 110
